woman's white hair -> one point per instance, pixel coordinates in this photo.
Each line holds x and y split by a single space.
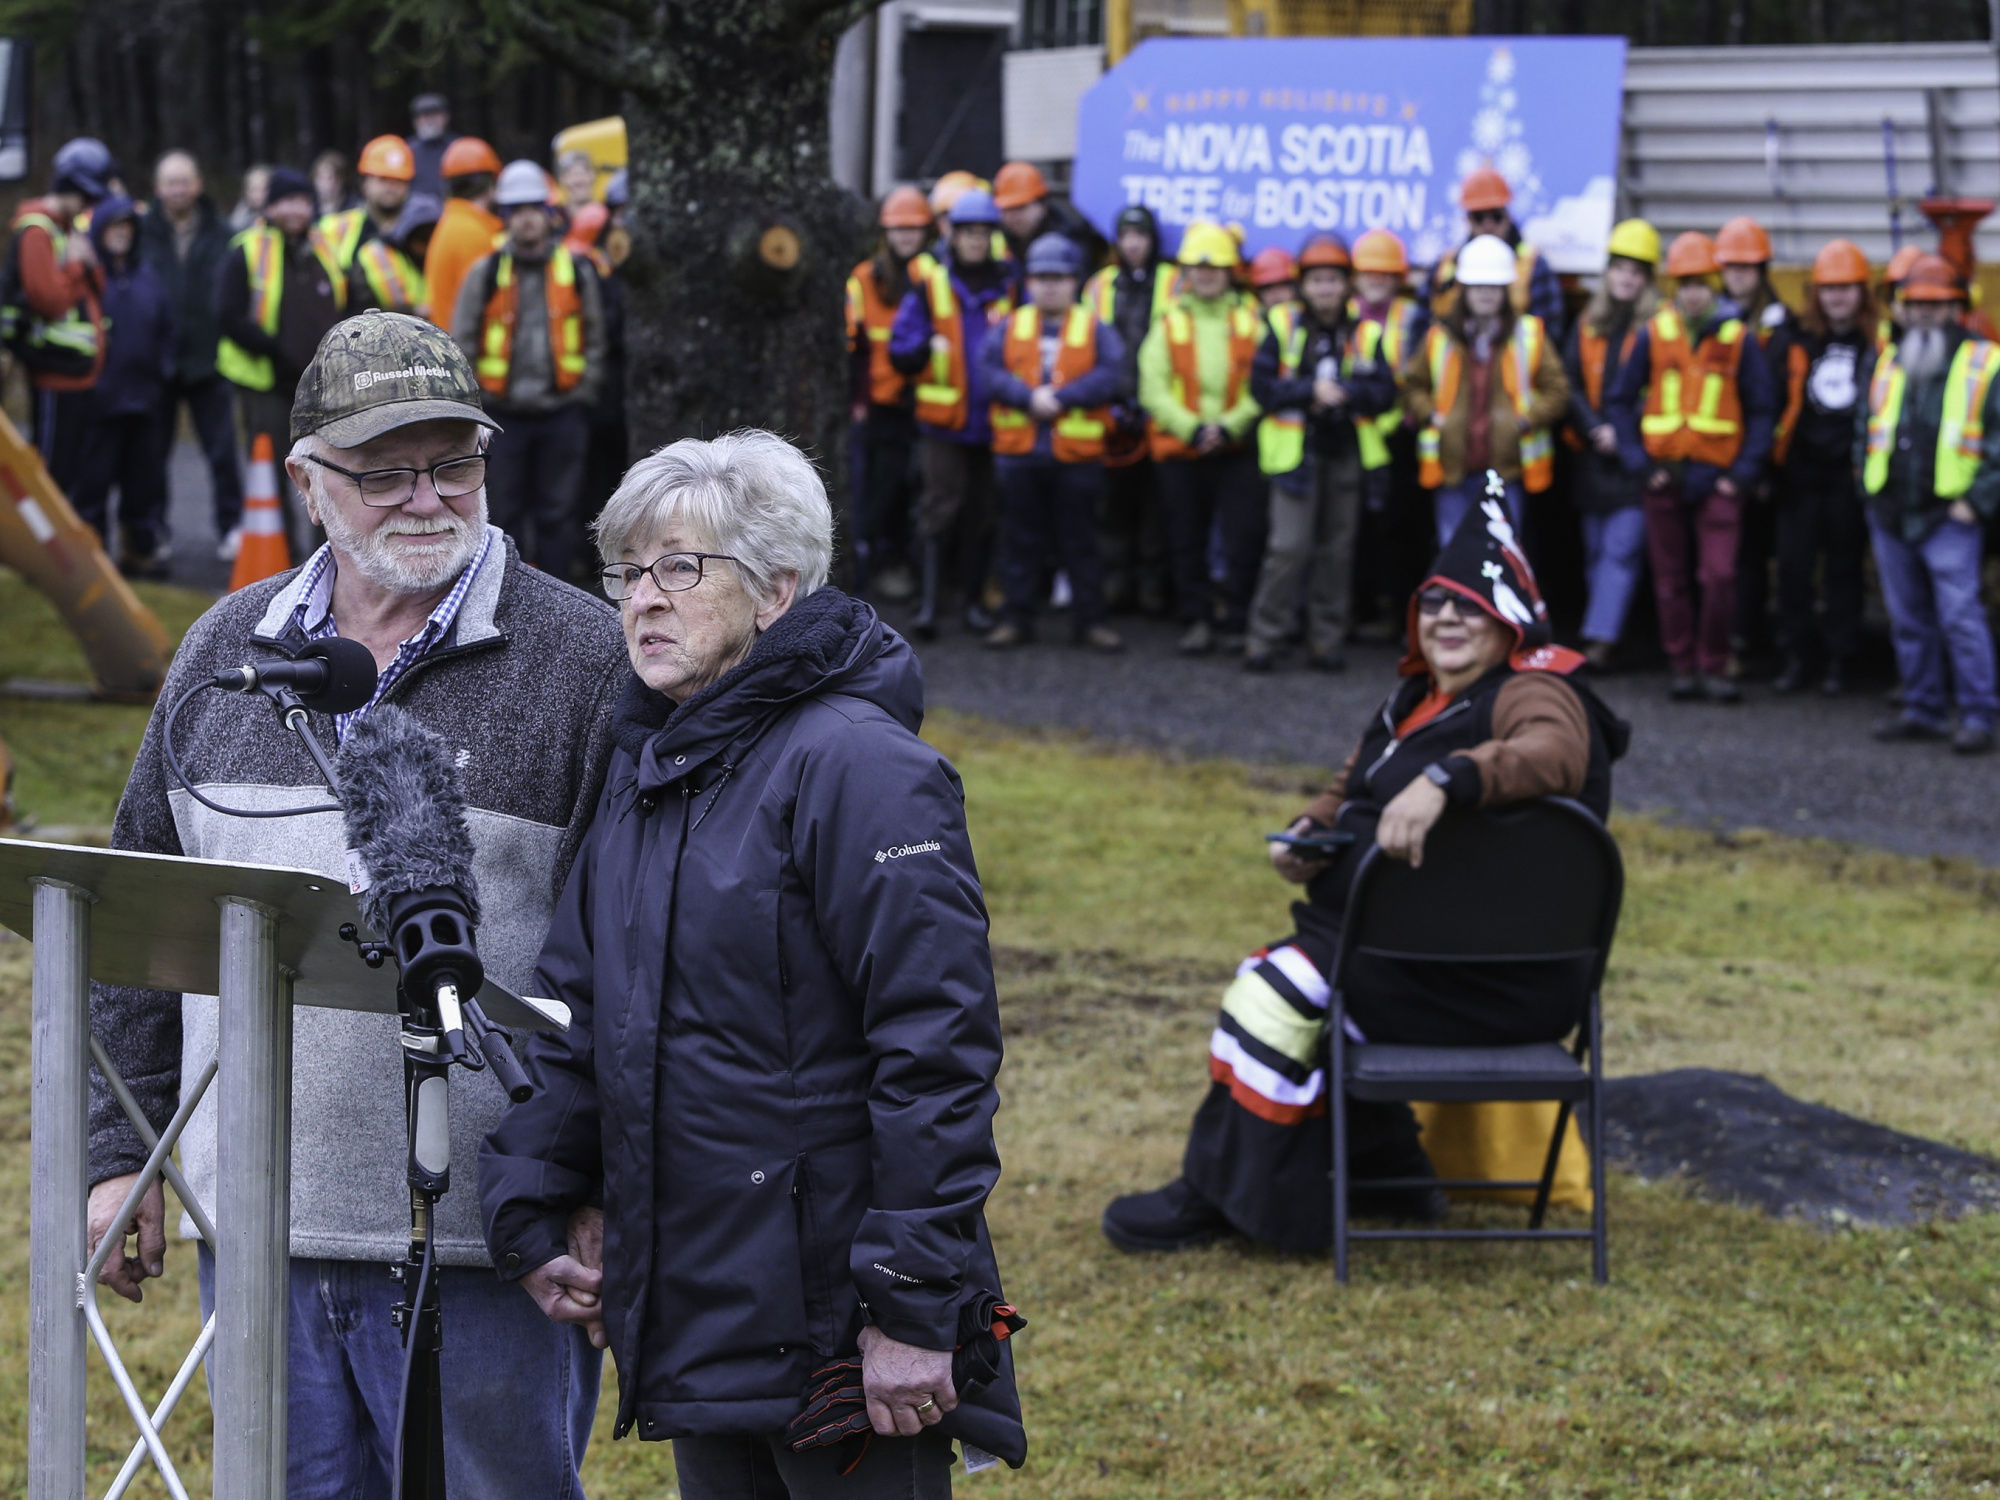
748 494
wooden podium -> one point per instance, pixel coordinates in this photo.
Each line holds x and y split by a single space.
262 939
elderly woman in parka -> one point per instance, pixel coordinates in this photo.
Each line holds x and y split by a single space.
774 1104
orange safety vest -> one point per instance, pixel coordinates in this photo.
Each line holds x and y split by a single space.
869 317
1079 434
942 398
565 304
1693 409
1245 328
1517 378
1591 350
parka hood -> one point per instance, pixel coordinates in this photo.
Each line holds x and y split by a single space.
829 642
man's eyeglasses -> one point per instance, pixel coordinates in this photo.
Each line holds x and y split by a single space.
1431 603
453 479
672 572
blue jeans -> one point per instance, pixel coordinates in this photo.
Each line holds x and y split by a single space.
1932 590
1454 500
519 1391
1614 549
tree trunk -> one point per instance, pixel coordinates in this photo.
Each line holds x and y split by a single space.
742 241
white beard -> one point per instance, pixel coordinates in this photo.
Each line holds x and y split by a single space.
1922 352
390 567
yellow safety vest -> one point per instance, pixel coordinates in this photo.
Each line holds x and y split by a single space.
1393 338
394 280
1101 292
1961 427
1281 435
342 233
75 332
264 253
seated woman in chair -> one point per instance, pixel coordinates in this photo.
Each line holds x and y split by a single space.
1488 712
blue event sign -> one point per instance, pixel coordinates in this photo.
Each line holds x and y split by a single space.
1291 135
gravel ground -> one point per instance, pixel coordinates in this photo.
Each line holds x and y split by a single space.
1803 765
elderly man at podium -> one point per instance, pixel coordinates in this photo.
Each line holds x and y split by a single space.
518 672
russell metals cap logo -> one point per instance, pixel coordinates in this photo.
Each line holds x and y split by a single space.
363 379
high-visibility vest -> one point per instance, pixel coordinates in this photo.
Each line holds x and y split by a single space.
394 280
1593 351
1178 326
77 337
565 307
1962 424
870 317
942 389
264 255
342 232
1078 437
1517 377
1445 299
1390 337
1101 292
1281 435
1693 408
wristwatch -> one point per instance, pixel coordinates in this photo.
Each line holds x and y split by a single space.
1439 776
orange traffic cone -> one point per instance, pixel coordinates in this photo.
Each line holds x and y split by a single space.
263 552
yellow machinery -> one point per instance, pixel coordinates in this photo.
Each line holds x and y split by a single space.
602 140
1127 22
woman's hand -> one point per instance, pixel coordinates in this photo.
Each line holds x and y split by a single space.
1604 438
570 1288
1295 867
907 1388
1410 815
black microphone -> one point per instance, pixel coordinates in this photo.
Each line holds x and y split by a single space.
334 675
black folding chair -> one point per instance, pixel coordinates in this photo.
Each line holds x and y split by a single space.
1534 884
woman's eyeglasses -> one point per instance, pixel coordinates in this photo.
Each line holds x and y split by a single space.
453 479
672 572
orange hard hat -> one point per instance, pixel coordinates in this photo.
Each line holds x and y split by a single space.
1019 184
945 191
1272 267
1742 242
1932 279
1325 250
387 156
1381 250
1484 188
1692 254
1900 263
466 155
905 208
588 222
1839 263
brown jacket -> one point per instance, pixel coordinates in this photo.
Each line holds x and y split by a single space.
1545 409
1540 748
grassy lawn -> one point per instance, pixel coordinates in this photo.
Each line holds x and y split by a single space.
1731 1356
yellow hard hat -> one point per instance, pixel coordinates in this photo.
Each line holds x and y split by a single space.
1635 239
1208 244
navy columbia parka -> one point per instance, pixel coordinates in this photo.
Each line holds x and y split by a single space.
779 1080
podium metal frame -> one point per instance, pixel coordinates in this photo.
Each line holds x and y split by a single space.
277 945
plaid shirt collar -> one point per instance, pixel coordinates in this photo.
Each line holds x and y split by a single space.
314 616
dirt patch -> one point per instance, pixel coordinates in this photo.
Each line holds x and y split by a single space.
1741 1138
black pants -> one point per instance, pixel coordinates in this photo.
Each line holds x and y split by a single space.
1133 538
1045 505
62 433
214 417
534 477
1199 492
1820 516
886 492
608 455
765 1468
1755 544
127 450
959 510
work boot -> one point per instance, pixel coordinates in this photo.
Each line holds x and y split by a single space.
1903 727
1229 642
1834 683
1197 640
1326 661
1685 688
1972 739
1791 677
1598 654
1720 689
1103 638
1258 658
894 584
924 625
978 618
1004 637
1174 1217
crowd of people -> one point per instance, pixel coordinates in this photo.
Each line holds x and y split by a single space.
1268 452
124 311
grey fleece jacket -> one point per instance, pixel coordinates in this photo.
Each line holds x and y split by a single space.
522 688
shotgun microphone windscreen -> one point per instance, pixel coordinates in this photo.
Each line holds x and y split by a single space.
404 813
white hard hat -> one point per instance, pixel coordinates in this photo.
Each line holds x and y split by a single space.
523 182
1487 260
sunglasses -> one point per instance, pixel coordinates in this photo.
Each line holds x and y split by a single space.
1431 603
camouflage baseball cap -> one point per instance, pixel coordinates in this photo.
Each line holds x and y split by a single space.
379 371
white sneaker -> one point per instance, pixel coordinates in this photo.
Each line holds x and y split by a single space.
1060 595
230 545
